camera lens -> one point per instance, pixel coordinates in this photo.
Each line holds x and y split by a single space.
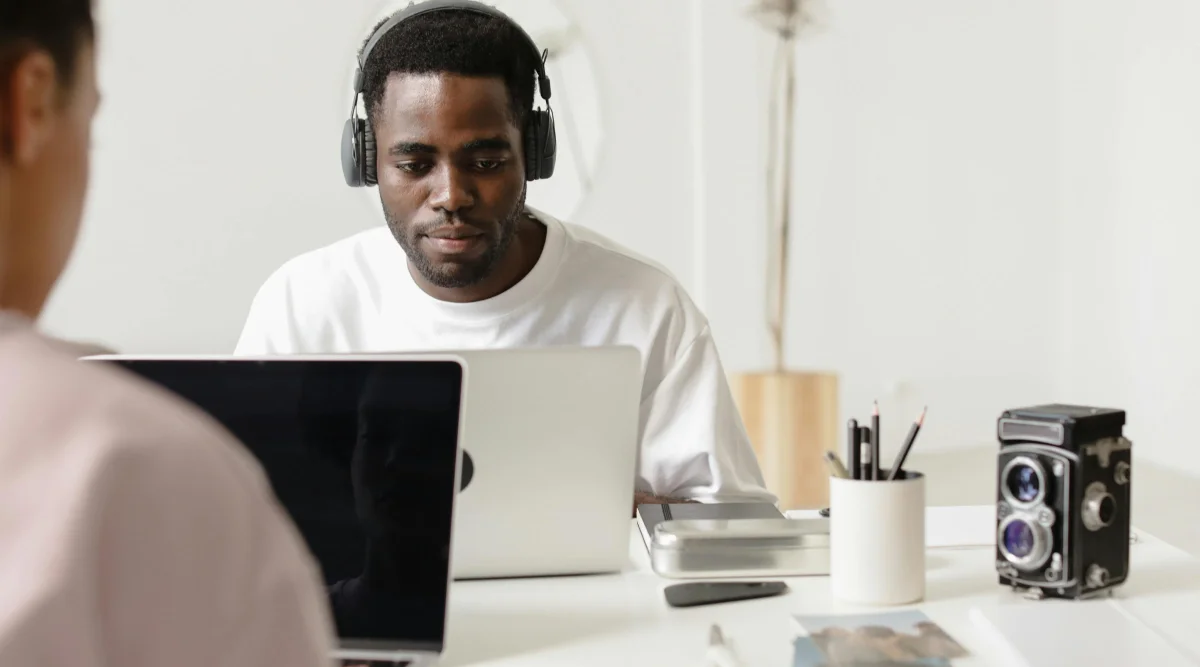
1024 483
1025 542
1018 539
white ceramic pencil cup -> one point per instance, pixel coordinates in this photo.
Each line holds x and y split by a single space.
877 539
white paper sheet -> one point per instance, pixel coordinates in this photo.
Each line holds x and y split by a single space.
1095 633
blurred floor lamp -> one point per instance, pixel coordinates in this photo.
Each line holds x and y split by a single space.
791 416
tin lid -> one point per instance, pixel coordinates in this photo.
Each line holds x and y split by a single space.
742 534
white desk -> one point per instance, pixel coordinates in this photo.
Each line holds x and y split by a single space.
622 619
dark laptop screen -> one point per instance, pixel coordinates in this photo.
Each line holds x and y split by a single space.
362 455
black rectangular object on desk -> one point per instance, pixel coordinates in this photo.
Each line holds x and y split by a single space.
650 515
696 593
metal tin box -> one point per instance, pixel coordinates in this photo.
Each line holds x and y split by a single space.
728 548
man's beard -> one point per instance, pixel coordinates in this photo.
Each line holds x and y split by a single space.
456 274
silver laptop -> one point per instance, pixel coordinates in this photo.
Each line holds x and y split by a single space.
550 446
363 454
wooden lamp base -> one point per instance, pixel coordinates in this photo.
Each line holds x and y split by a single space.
792 419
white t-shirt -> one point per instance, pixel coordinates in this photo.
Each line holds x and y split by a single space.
357 295
136 532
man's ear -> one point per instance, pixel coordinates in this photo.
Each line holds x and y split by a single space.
29 105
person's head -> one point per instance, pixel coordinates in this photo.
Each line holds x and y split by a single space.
48 96
447 94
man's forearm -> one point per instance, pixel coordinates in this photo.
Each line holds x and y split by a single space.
642 498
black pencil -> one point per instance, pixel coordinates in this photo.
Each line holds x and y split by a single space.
875 440
852 445
908 443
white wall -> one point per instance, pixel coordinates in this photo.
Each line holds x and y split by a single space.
925 255
216 157
955 178
1131 212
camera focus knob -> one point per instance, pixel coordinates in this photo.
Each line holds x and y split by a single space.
1099 506
1097 576
1121 474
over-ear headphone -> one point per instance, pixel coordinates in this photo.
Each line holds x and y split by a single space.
358 140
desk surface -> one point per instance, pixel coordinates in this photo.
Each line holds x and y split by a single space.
621 619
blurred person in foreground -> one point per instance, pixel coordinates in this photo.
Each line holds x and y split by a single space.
133 530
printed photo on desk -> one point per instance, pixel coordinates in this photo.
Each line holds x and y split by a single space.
906 638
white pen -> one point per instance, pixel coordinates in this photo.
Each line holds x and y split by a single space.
719 653
835 465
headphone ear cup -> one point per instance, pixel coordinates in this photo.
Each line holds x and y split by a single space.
368 144
540 145
351 168
532 150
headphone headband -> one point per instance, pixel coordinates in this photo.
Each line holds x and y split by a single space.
538 135
414 10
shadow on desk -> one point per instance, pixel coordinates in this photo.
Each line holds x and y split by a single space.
1144 581
478 636
939 590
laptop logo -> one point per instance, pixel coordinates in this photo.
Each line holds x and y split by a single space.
468 470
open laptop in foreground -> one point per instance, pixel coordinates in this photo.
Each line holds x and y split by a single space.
549 451
362 452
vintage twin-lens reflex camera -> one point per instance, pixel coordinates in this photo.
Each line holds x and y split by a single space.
1062 510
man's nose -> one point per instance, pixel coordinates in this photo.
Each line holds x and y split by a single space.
454 189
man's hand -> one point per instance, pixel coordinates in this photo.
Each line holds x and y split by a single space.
641 498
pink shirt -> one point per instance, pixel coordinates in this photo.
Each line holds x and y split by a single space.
135 532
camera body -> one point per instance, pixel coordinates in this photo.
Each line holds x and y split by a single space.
1063 500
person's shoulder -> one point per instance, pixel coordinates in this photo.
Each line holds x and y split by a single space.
123 472
89 410
343 259
330 284
603 262
591 247
602 268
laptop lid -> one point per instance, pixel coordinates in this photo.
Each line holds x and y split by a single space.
362 453
550 446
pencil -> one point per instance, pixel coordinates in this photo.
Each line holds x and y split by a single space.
908 443
875 440
852 445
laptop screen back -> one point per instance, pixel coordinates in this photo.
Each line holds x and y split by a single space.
362 455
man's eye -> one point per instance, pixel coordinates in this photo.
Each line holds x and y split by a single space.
413 167
488 165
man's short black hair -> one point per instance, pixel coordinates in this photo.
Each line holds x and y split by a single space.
456 42
59 27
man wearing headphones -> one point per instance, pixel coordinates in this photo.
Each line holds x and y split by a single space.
451 138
